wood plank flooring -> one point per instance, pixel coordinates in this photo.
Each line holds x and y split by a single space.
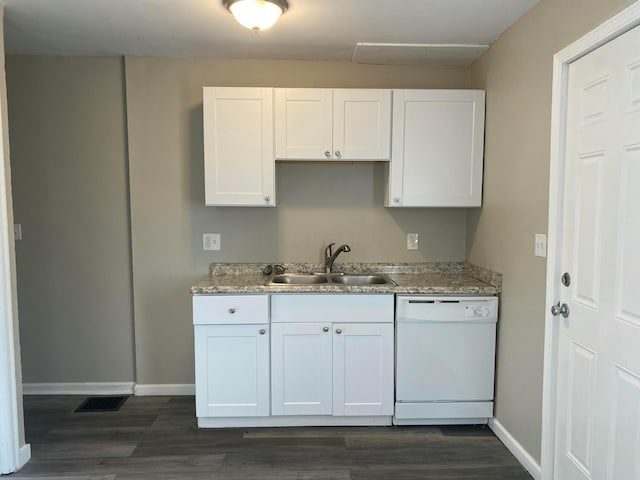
157 438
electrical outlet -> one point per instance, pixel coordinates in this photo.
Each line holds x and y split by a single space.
540 245
412 241
17 231
211 241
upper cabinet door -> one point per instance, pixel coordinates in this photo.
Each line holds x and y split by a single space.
437 148
239 167
361 124
303 118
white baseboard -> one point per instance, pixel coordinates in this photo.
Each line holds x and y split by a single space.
82 388
518 451
24 455
165 389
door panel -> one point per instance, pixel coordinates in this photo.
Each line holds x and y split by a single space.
363 369
301 368
598 399
303 123
232 370
361 124
238 146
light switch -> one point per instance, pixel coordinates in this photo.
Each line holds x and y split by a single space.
412 241
211 241
541 245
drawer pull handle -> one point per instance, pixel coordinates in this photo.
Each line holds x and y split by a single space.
338 331
262 331
232 310
325 329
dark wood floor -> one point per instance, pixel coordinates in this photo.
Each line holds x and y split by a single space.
157 438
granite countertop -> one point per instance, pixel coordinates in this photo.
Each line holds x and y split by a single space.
459 278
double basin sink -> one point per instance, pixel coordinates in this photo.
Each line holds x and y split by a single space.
330 278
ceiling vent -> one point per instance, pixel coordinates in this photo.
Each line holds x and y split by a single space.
417 54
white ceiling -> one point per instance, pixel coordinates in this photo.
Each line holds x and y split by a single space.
309 30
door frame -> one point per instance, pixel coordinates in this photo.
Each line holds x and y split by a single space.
12 455
607 31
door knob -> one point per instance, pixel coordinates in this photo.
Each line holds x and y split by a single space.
338 331
327 154
338 154
325 329
560 310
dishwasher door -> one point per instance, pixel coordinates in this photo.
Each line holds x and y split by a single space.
445 349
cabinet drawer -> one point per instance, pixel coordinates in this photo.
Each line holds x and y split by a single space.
230 309
350 308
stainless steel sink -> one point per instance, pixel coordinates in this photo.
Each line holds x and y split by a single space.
298 279
333 278
350 279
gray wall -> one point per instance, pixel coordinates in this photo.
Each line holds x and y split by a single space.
68 158
516 73
317 204
68 126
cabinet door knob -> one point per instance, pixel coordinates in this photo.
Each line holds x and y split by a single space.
327 154
325 329
262 331
338 154
338 331
267 198
396 200
232 310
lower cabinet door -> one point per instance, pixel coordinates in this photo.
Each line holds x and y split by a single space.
301 368
363 369
232 370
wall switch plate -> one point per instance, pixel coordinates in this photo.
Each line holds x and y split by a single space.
541 245
412 241
17 231
211 241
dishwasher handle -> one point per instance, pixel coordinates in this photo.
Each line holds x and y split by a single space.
434 301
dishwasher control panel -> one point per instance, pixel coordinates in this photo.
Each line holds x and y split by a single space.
426 308
477 311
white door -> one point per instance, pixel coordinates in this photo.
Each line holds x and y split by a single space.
361 124
598 389
232 370
303 123
301 368
239 168
362 369
437 148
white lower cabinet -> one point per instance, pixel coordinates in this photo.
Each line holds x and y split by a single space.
301 369
231 340
332 369
232 370
341 367
363 369
316 360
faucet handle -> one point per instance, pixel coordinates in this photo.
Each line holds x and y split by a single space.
329 250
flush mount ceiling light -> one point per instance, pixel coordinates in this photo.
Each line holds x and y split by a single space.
256 15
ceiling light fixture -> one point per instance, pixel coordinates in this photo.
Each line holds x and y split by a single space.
256 15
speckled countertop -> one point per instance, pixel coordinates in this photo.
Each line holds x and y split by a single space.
459 278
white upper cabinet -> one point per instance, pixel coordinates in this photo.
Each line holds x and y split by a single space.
239 167
437 148
325 124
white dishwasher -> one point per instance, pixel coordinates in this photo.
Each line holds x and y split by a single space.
445 359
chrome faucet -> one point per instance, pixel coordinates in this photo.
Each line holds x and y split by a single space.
329 257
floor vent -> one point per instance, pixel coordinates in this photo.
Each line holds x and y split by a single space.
102 404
